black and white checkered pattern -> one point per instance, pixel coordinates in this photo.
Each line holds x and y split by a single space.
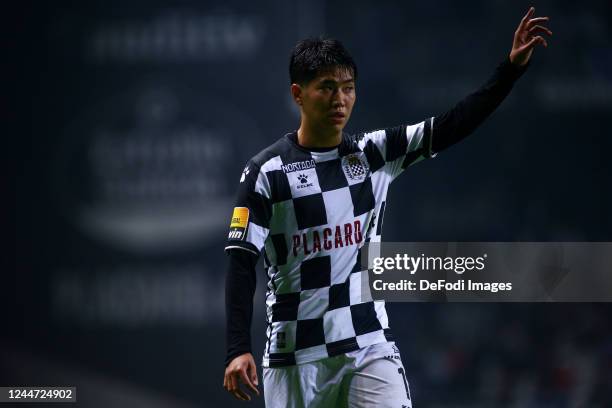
311 212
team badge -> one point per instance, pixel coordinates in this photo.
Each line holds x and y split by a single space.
240 220
354 167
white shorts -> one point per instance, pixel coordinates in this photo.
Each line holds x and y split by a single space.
370 377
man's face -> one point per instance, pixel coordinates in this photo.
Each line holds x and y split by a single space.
327 101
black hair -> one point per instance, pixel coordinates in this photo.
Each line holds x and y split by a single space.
312 56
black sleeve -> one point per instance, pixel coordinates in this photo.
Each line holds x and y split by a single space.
240 283
469 113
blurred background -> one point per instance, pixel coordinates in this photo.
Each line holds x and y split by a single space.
130 126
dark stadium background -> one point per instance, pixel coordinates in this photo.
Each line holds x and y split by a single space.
130 126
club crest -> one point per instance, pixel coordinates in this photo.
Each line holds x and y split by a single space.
354 167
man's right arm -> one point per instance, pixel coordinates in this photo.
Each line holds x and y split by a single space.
249 229
240 284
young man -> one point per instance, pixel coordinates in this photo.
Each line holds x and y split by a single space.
309 202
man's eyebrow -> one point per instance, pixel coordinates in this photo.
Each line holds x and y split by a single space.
333 81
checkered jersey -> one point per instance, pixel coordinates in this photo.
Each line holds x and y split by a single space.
310 213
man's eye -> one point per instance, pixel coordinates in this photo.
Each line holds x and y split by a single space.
349 88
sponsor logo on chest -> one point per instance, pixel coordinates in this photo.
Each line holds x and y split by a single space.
298 166
328 238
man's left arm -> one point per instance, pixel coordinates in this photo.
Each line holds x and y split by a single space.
460 121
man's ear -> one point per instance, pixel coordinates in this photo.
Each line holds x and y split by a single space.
296 92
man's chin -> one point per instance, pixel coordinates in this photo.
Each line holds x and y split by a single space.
333 127
339 126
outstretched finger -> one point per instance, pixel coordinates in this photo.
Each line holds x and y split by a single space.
526 17
536 20
539 29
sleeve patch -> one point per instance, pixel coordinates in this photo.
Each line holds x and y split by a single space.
240 220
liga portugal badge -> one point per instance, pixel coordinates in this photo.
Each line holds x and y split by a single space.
240 220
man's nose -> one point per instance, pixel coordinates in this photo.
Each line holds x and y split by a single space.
338 99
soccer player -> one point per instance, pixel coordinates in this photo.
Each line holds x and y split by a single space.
309 203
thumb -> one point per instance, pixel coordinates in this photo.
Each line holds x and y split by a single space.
253 373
